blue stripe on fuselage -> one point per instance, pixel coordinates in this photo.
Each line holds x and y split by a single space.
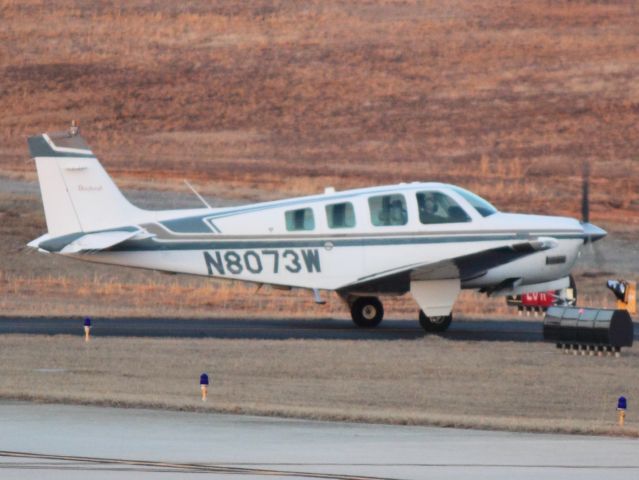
153 245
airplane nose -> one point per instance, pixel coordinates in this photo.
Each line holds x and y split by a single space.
592 233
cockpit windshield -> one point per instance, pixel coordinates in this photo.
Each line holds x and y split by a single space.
484 208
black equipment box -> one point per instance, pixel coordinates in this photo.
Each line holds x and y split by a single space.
588 326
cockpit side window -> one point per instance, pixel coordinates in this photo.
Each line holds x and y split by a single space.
388 210
436 207
301 219
340 215
484 208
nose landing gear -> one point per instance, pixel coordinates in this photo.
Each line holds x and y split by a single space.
435 324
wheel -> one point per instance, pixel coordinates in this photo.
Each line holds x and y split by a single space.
435 324
367 312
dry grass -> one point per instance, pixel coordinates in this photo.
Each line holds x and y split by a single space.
263 100
106 295
504 385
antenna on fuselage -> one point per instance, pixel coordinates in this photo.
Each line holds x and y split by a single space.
197 194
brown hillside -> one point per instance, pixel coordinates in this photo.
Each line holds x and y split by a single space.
285 97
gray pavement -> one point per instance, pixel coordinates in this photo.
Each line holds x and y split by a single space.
269 328
69 442
527 330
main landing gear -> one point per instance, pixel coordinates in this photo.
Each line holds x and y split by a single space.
367 312
435 324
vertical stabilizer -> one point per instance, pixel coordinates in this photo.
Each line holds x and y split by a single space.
77 193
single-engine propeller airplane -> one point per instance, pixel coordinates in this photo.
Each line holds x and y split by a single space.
429 239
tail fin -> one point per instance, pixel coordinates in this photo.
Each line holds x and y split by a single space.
77 193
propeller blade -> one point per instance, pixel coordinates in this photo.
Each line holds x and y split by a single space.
593 255
600 260
585 192
593 258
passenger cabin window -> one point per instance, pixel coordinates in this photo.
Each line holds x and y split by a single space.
436 207
301 219
388 210
340 215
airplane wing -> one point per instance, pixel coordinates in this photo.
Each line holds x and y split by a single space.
465 267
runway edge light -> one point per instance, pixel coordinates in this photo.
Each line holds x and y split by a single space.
622 404
87 329
204 385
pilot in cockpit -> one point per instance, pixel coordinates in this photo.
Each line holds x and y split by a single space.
428 209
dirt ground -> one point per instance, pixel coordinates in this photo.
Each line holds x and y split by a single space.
266 99
269 100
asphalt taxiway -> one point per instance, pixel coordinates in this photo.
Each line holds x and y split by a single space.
528 330
76 442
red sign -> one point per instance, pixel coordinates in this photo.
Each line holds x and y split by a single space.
538 299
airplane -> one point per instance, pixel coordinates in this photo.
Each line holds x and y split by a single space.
427 239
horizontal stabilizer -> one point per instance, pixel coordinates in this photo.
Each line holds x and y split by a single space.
85 242
98 241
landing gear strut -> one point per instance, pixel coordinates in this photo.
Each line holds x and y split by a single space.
367 312
435 324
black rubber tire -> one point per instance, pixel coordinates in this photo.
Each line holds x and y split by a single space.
435 324
367 312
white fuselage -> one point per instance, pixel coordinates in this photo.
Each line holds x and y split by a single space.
255 243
